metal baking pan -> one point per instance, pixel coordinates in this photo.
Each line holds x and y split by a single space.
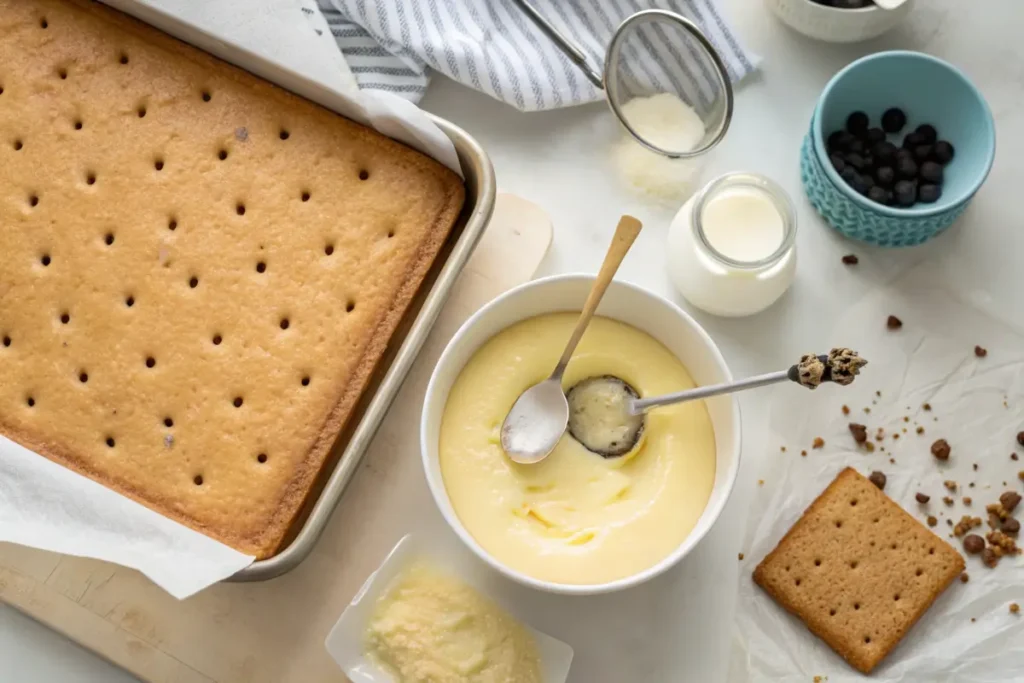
419 319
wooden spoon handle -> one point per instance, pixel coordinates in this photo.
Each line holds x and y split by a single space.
625 234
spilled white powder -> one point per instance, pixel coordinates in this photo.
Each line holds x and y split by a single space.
668 122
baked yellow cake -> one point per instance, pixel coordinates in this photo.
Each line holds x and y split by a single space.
199 271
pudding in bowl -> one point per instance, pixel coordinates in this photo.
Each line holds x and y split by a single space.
636 544
576 517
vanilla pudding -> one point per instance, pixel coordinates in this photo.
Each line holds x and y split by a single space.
576 517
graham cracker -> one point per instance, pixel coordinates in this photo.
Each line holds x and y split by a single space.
858 570
199 272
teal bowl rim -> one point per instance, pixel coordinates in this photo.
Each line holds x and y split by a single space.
847 191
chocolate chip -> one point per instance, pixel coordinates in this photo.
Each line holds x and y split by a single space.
974 544
1010 500
989 557
941 449
922 498
1010 526
860 432
851 259
980 352
878 479
893 323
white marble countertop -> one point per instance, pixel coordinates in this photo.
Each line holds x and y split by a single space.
560 161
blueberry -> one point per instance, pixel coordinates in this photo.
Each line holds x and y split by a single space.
856 160
943 152
837 162
838 140
912 140
885 176
848 174
906 168
890 198
929 193
931 172
906 193
893 120
860 184
884 153
877 194
856 146
874 135
857 123
922 153
928 133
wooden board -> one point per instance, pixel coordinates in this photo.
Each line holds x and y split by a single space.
273 631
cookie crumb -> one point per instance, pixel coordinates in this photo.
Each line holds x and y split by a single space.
869 447
782 449
1020 438
967 500
867 411
965 524
878 479
846 409
859 432
893 323
1014 608
892 461
895 437
741 557
849 260
973 620
906 418
803 453
927 406
947 500
818 442
922 498
980 352
941 449
760 482
1010 526
950 485
964 578
932 521
973 544
920 429
975 467
1009 501
1013 456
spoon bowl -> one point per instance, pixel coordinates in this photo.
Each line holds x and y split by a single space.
536 422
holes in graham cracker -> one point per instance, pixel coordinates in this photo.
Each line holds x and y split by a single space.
205 94
261 267
284 134
123 59
43 23
285 323
856 605
168 422
108 239
217 339
65 318
305 196
931 551
839 524
918 572
90 178
364 174
193 282
222 154
150 362
238 402
896 598
30 401
853 564
172 224
141 111
129 301
350 306
77 124
62 73
329 248
18 145
796 582
45 260
83 377
305 381
197 480
7 340
261 458
158 164
867 640
391 233
33 200
817 562
110 442
240 209
853 503
832 612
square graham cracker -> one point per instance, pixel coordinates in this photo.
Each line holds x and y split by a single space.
199 271
858 570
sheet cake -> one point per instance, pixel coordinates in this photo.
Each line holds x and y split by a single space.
199 271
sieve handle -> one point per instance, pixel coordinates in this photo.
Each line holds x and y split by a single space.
571 50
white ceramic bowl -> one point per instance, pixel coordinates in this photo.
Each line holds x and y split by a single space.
649 312
837 25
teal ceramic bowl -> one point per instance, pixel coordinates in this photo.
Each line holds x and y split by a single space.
930 91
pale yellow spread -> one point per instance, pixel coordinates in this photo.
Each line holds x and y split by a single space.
576 517
431 628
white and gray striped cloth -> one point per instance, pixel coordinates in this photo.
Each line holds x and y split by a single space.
491 46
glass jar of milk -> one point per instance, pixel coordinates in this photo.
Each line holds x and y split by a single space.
732 247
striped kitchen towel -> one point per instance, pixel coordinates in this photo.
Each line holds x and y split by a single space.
491 46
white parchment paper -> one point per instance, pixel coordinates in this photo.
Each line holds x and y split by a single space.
46 506
977 406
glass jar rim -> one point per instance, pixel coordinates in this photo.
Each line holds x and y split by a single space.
779 197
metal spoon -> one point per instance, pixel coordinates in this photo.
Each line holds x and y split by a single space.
540 415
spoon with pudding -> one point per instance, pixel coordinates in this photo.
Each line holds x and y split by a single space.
606 414
540 415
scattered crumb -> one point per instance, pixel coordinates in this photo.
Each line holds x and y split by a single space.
895 437
878 479
1020 475
989 557
904 430
922 498
859 432
973 544
818 442
906 418
760 482
941 449
803 453
1014 608
869 447
949 522
782 448
1020 438
964 578
950 485
947 500
975 466
882 448
849 260
971 485
965 524
878 393
967 500
973 620
741 557
846 410
980 352
927 406
932 521
867 410
1013 456
892 461
920 429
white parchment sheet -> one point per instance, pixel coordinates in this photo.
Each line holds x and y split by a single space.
977 406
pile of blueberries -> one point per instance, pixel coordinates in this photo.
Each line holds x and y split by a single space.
884 173
844 4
